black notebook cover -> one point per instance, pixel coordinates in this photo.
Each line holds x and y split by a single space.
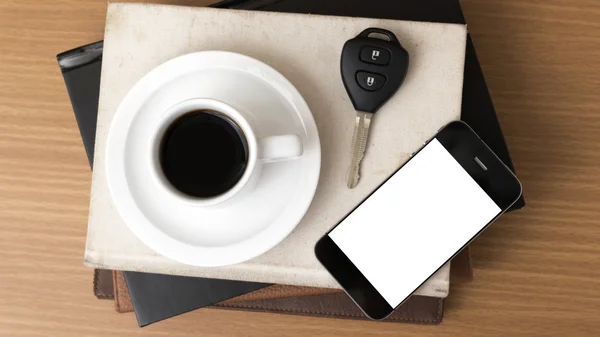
156 297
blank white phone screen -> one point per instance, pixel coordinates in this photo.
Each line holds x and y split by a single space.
414 223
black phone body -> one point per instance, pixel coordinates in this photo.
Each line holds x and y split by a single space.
418 219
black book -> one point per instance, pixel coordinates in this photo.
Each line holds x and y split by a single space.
156 297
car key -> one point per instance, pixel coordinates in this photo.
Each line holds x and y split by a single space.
372 71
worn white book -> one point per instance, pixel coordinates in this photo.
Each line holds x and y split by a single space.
305 49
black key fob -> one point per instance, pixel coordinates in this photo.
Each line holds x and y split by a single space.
373 68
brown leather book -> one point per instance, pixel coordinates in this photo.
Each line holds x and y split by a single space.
308 301
418 309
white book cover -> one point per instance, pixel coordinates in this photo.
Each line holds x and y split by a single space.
306 50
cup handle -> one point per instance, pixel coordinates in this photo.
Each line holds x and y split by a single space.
279 148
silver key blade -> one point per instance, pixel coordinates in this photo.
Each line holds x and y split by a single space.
362 124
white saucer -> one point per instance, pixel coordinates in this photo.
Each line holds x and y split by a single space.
232 232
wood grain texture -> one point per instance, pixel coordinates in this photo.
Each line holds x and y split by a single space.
536 270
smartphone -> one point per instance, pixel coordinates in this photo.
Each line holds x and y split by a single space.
418 219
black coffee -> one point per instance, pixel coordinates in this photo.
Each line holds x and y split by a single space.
203 153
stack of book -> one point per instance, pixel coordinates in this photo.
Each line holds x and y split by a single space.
308 289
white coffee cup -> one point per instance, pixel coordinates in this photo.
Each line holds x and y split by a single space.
260 151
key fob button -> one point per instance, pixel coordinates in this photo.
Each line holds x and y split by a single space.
375 55
370 85
370 81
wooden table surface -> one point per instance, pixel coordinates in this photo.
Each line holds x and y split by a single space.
537 271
